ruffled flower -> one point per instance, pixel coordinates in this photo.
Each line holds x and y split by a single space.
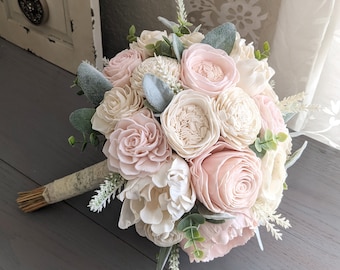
165 68
166 239
190 124
274 175
239 117
241 50
158 200
207 70
192 38
118 103
137 147
147 38
226 180
254 75
221 238
120 67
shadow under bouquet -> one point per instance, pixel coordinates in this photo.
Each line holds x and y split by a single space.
195 138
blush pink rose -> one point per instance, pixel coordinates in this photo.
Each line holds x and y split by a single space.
226 180
221 238
271 116
137 147
120 67
208 70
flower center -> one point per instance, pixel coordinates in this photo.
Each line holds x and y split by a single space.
192 125
209 70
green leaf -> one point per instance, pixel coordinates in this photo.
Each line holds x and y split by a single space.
163 256
198 253
81 119
222 37
92 82
71 140
285 186
294 157
157 92
268 135
281 136
178 47
188 244
167 23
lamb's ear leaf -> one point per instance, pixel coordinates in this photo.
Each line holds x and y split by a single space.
157 92
177 46
92 82
163 256
222 37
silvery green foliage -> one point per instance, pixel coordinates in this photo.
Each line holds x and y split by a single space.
92 82
222 37
294 157
157 92
177 46
81 120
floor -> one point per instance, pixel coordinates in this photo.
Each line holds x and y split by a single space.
36 100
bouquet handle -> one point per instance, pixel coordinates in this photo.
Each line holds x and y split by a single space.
64 188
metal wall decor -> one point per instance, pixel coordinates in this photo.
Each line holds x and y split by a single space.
35 11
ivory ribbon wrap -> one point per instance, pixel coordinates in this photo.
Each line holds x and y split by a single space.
76 183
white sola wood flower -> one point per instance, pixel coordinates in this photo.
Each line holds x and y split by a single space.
158 200
239 117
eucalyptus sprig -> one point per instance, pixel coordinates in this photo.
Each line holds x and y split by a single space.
265 53
189 225
131 37
268 142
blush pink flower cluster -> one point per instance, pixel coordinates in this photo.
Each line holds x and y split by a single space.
198 148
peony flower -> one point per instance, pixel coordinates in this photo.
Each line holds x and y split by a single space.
137 147
192 38
207 70
274 175
120 67
254 75
148 38
166 239
221 238
241 50
117 103
165 68
190 124
270 114
239 117
158 200
226 180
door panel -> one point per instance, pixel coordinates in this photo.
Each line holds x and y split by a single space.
70 34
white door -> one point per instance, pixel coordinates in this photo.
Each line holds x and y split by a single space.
64 32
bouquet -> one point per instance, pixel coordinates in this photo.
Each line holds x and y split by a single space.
195 138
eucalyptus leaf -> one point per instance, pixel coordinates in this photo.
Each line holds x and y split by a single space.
157 92
294 157
222 37
81 119
163 256
191 221
92 82
177 46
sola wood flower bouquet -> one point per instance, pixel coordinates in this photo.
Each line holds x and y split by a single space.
195 138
